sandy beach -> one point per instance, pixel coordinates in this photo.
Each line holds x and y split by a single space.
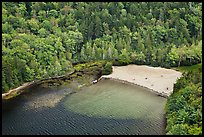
158 80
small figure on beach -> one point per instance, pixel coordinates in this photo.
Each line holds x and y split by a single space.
167 88
146 78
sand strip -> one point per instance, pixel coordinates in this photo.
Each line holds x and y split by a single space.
158 80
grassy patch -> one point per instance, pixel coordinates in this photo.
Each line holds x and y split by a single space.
188 68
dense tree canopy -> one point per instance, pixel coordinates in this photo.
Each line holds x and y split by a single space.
184 106
43 39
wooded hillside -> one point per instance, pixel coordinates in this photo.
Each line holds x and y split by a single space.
44 39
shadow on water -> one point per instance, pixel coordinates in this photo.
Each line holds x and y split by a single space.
59 121
19 119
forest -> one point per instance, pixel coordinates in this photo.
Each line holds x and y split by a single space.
47 39
184 106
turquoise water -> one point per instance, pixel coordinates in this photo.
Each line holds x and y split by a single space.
106 108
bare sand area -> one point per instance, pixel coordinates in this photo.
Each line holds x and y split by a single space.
158 80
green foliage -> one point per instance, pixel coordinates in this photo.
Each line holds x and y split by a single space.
189 68
107 69
184 106
48 37
41 40
179 129
95 65
124 57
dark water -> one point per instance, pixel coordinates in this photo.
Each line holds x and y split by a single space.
107 108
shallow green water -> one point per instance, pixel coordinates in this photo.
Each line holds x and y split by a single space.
112 99
108 107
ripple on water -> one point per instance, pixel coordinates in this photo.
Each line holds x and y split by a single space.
107 107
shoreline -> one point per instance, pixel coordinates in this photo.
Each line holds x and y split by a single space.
133 84
92 70
17 91
141 75
156 79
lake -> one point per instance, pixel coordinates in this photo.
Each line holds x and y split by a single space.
106 108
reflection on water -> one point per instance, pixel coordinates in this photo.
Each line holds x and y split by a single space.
107 107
